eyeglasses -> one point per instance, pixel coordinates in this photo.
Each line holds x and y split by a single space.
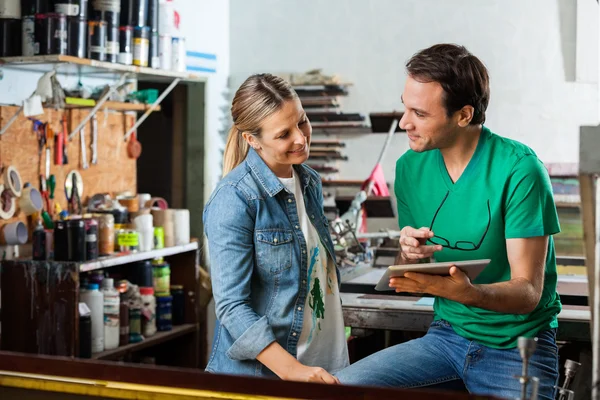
461 244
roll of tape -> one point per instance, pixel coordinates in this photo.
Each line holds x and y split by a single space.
157 202
181 227
15 233
8 205
132 204
30 201
144 198
12 181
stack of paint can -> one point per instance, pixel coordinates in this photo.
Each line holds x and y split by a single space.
10 28
134 17
152 23
166 23
76 12
43 32
104 30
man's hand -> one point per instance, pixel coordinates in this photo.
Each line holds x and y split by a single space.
413 244
455 287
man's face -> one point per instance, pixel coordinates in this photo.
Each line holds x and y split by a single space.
425 119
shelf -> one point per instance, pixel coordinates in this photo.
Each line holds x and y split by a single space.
157 338
120 259
69 65
560 204
116 106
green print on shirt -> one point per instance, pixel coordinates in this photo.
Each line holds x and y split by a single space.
317 304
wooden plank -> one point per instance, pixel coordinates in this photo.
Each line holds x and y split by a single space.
117 106
114 173
187 378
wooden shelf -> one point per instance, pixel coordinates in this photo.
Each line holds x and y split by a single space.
120 259
117 106
157 338
69 65
567 205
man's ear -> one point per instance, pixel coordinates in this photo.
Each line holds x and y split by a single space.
465 115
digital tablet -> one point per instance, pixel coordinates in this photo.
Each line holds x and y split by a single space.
472 268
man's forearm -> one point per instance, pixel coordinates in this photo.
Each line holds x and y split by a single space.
517 296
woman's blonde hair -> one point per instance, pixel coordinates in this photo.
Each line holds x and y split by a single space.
256 99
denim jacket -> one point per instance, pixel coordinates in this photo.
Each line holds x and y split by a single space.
258 263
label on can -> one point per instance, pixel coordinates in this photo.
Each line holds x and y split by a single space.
112 47
28 39
71 10
164 52
97 49
125 58
140 51
179 53
128 239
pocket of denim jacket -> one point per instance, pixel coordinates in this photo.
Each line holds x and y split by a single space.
274 249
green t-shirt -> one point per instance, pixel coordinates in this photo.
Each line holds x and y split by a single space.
510 176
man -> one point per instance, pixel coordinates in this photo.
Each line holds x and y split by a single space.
465 193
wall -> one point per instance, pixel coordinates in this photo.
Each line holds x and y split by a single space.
529 47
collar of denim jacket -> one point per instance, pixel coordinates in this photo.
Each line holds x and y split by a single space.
268 179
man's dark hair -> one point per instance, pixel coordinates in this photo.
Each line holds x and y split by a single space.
463 77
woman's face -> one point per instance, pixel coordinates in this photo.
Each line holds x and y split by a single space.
284 139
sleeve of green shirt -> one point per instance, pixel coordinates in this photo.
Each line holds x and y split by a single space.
405 218
529 208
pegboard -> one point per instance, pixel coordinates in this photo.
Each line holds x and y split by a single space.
115 171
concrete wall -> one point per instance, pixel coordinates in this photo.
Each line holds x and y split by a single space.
538 53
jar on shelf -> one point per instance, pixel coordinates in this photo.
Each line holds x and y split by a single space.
162 276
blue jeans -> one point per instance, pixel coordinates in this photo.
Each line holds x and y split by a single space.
443 357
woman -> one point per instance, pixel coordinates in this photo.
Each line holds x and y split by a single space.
274 277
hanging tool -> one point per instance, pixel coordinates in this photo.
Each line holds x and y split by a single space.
60 155
74 191
84 162
94 140
64 141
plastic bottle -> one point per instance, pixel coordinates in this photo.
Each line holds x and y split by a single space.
94 299
111 314
148 311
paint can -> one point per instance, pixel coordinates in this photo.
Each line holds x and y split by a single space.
28 45
51 33
165 51
77 37
76 239
10 37
134 12
153 53
178 54
141 43
91 239
61 241
10 9
166 18
97 40
152 20
72 8
112 43
126 45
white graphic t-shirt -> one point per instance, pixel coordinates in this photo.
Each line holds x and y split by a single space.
322 342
